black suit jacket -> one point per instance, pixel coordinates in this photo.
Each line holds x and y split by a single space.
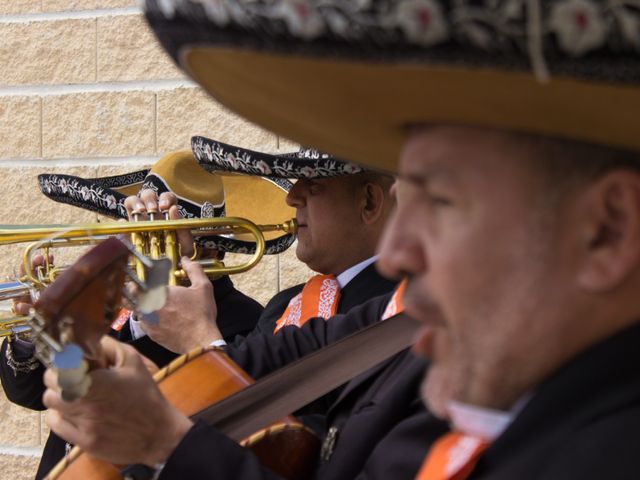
237 314
384 431
581 423
366 285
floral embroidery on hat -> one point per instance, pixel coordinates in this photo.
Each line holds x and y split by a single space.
422 21
543 35
75 192
302 19
580 26
306 163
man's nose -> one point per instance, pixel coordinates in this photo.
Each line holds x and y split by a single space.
295 196
400 252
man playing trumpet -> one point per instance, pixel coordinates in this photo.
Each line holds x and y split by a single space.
340 211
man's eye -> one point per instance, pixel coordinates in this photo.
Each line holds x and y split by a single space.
439 201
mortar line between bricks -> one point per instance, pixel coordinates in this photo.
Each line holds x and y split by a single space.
21 451
278 265
95 52
69 15
41 152
97 87
155 122
129 161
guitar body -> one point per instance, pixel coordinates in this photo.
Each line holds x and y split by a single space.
192 383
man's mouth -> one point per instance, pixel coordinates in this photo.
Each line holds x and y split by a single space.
423 342
419 305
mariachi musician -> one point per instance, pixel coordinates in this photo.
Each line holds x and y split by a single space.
340 210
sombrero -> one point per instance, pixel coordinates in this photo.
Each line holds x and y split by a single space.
200 194
218 157
349 76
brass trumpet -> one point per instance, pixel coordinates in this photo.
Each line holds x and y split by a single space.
149 237
153 239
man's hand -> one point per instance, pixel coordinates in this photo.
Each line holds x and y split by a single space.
22 305
188 318
124 419
148 201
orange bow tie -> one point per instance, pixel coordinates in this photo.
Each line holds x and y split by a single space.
452 457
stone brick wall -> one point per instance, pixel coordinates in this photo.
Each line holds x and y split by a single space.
85 90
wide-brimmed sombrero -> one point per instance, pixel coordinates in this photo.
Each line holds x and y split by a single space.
218 157
350 76
200 194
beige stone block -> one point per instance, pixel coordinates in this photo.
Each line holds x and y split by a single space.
98 124
185 112
292 270
20 127
20 6
261 282
20 426
16 467
28 205
127 50
48 52
67 5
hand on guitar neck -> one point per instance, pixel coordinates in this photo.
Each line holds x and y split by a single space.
154 427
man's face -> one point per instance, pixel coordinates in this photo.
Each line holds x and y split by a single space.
328 215
486 266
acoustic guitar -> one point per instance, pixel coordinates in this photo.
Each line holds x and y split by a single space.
79 307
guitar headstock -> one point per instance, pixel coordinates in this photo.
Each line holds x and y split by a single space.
76 310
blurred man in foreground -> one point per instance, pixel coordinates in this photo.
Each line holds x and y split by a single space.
518 220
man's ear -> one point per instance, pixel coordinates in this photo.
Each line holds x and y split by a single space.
373 203
611 231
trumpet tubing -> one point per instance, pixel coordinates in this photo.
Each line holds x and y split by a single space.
154 239
13 325
11 290
10 234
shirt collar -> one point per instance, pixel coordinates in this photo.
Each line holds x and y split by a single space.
345 277
485 423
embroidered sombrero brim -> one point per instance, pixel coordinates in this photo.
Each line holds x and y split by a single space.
218 157
259 199
350 78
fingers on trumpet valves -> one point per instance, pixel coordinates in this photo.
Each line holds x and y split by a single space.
166 200
134 207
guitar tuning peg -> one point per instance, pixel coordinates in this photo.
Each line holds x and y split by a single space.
72 372
152 299
153 291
